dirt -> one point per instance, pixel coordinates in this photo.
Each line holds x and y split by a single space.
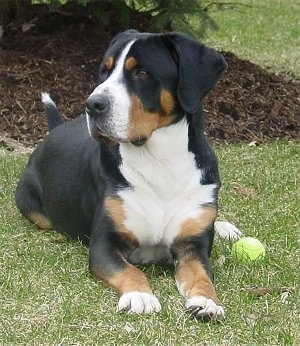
60 53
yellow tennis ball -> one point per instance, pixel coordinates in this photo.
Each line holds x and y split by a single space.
248 249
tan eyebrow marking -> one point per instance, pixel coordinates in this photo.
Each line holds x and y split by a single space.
130 63
109 63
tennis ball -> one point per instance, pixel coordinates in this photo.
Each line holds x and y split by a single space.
248 249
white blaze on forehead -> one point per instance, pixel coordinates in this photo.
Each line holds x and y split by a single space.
118 117
117 74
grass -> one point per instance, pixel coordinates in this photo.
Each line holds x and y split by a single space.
48 298
266 32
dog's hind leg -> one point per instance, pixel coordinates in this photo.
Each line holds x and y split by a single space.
28 201
227 230
39 220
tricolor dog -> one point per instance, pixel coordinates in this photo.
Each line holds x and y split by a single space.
135 178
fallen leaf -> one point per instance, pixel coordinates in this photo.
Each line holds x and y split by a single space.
128 328
220 261
27 26
258 290
245 191
253 144
284 296
268 290
251 319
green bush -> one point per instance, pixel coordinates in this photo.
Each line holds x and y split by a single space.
190 16
55 4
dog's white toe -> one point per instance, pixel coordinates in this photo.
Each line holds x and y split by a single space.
139 302
227 230
204 308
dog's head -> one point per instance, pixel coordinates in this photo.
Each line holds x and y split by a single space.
148 81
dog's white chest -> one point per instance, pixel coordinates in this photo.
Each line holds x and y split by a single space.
165 186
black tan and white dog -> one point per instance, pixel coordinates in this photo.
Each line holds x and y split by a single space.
136 179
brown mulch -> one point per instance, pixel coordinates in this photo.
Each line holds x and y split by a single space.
60 54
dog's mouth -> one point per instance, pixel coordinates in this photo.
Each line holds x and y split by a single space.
98 134
139 142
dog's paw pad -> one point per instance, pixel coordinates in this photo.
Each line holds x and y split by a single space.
204 308
138 303
227 230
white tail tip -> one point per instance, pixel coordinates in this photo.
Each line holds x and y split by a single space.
46 99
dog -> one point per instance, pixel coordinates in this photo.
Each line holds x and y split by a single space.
135 178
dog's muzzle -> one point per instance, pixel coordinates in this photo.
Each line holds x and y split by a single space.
98 108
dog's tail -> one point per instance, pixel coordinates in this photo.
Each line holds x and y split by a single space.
53 116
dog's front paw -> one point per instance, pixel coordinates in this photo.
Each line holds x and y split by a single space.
139 302
204 308
227 230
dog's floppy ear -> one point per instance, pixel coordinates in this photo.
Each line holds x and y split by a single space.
199 69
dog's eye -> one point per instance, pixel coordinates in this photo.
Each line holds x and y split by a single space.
142 74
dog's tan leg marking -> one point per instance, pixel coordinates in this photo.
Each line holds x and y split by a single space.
127 280
192 227
191 276
39 220
192 280
130 279
136 295
130 282
115 209
195 285
134 290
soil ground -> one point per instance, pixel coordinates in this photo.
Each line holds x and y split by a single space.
59 53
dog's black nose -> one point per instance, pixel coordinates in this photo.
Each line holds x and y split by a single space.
96 105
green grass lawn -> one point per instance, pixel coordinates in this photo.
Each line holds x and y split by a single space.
266 32
48 298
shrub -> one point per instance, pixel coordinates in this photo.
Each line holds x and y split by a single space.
190 16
